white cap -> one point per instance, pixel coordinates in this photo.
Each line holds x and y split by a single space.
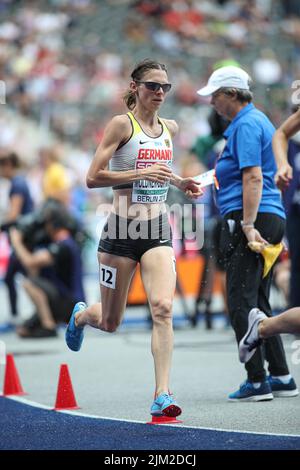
229 76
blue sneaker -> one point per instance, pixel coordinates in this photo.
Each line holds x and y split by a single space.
247 392
74 334
165 405
280 389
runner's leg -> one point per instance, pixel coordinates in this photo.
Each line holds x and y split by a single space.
115 276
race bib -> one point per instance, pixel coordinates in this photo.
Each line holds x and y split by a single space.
149 192
108 276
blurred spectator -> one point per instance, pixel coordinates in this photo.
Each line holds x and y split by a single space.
56 184
53 295
266 68
20 203
50 59
291 7
19 195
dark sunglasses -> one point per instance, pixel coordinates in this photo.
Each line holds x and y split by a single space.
155 86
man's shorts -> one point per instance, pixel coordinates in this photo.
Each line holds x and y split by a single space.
131 238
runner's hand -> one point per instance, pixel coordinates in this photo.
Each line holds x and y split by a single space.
159 173
284 176
191 188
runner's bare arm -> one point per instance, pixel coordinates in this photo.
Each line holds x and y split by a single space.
280 147
188 185
283 134
117 131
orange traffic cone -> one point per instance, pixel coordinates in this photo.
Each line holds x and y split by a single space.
65 398
12 384
164 420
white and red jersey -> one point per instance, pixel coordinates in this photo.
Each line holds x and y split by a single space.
141 151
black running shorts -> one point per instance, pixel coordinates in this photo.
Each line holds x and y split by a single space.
132 238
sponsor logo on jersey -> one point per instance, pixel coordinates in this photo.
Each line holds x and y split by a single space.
155 154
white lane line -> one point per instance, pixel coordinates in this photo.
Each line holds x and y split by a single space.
84 415
28 402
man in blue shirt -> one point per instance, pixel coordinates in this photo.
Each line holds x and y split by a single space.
250 205
287 156
248 144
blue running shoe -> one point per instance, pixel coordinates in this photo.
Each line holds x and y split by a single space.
247 392
165 405
280 389
74 334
